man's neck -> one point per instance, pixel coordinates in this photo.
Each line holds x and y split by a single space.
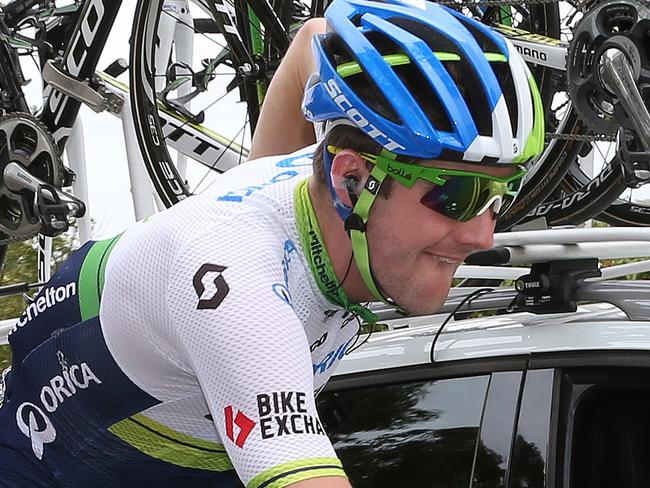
337 243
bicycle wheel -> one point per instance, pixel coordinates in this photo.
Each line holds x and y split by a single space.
196 64
563 126
595 186
625 206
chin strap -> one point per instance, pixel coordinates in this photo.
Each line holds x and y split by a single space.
313 246
355 221
355 225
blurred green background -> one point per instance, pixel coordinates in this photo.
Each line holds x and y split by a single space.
20 266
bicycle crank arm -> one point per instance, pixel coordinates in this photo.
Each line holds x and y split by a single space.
97 100
617 77
52 206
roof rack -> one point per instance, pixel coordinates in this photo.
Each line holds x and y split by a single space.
565 270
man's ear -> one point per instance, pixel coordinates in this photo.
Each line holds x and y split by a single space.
348 174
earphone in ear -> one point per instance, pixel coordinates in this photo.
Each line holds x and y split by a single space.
352 186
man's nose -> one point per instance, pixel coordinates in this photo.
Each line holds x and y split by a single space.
477 233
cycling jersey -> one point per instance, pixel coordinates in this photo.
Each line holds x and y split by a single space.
187 351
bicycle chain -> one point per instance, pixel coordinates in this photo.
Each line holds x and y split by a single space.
580 137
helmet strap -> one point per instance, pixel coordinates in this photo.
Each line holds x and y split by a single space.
355 224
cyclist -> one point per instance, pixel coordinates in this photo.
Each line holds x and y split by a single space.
188 351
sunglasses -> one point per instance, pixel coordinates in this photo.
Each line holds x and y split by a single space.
457 194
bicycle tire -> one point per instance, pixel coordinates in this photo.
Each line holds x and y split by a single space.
559 153
239 53
625 214
620 211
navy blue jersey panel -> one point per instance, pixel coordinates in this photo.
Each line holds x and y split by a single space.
56 306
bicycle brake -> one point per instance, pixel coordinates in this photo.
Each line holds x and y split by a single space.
178 104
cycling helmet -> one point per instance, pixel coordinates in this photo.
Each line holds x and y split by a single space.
424 82
442 86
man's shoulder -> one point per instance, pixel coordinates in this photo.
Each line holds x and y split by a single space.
268 176
250 204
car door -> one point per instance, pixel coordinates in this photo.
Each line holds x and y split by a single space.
462 425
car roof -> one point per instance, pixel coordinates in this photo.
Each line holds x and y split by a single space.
594 327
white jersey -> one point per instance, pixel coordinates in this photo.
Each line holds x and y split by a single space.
212 309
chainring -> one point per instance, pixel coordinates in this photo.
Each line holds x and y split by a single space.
26 141
623 24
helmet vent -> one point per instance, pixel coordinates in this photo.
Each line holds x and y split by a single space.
361 84
504 76
462 73
414 81
501 70
487 44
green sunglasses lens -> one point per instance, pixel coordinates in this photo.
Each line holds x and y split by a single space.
463 197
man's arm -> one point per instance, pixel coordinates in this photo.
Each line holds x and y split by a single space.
281 107
325 482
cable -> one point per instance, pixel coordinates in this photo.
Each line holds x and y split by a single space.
354 346
467 299
347 272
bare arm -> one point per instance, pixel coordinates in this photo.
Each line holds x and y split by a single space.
326 482
281 127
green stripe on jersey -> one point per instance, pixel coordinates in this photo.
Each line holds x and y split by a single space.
295 471
91 277
161 442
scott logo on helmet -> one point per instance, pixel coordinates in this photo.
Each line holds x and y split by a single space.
353 114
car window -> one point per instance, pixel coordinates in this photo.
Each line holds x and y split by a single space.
407 435
607 427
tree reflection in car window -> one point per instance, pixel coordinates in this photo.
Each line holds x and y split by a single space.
408 435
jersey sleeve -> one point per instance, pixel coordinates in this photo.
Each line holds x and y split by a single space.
249 352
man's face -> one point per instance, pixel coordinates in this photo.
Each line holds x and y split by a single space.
415 251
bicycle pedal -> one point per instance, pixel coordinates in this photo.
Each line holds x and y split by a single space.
81 90
53 211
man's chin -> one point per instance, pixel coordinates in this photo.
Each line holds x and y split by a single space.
424 305
428 309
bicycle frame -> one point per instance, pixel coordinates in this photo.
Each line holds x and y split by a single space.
536 48
80 58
